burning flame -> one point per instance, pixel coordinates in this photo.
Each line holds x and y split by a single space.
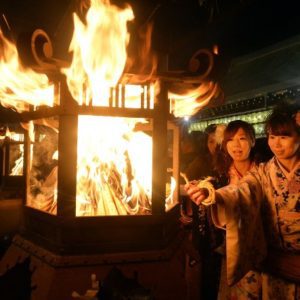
114 167
99 52
21 86
99 58
144 61
190 100
116 177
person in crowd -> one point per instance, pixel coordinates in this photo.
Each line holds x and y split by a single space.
235 159
203 162
205 237
261 212
191 149
188 150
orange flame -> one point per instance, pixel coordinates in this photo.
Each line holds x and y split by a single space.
21 86
144 62
99 52
112 175
191 100
114 168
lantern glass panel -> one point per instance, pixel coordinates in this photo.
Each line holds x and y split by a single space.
42 173
16 159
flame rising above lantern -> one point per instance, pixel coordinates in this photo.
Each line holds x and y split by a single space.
99 52
110 168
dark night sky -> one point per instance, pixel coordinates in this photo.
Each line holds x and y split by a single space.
180 26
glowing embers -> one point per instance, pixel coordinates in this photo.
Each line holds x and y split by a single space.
114 167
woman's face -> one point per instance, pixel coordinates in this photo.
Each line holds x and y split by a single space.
211 143
284 147
239 146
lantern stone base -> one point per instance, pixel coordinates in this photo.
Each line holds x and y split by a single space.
51 276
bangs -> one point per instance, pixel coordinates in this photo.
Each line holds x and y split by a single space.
233 127
280 127
229 133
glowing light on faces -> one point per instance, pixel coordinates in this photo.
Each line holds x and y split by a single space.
284 147
239 146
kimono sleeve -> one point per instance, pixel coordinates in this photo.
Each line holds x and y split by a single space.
245 240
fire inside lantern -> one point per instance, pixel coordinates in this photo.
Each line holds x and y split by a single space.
101 155
114 156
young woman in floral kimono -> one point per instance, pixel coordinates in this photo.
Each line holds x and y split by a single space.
262 212
235 160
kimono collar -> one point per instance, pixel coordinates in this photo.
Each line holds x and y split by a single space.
287 174
239 174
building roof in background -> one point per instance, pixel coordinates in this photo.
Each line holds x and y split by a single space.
272 68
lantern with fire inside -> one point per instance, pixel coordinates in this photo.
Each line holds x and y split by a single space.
98 179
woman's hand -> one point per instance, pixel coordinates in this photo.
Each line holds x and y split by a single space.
196 194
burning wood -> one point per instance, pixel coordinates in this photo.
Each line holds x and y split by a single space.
113 180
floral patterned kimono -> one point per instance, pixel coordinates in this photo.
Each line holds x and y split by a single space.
263 221
249 287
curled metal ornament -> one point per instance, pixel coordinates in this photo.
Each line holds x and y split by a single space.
201 63
41 48
197 90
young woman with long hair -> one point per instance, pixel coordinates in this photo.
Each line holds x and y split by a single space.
235 159
262 212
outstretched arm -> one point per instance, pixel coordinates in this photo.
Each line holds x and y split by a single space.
202 192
